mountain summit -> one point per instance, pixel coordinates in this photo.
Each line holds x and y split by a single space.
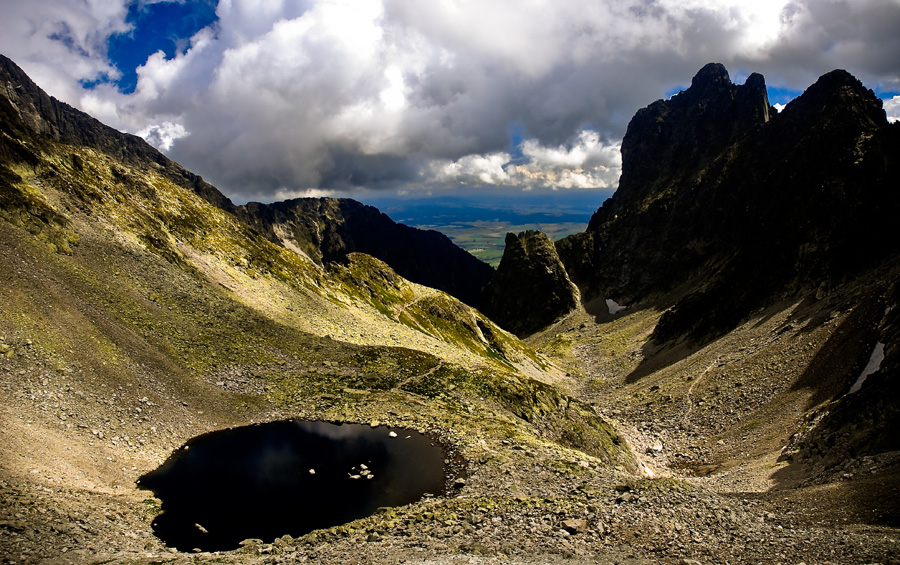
531 288
670 139
737 235
736 204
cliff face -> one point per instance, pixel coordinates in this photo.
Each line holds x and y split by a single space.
726 208
648 227
329 229
738 205
531 288
669 140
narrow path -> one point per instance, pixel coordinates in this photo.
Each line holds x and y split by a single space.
687 397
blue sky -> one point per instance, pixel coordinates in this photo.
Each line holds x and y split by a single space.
782 95
163 26
273 99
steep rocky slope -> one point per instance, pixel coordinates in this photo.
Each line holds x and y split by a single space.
328 229
726 209
864 422
60 122
797 207
755 255
735 206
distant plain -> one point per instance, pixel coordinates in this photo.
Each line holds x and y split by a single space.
479 224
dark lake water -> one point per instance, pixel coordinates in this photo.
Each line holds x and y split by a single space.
268 480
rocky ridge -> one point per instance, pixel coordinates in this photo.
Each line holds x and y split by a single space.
769 208
775 203
669 140
325 229
329 229
58 121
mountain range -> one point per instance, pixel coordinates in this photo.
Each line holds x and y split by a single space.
706 373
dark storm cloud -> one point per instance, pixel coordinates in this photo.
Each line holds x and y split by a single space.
861 36
281 97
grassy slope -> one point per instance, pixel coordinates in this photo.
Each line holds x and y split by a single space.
135 315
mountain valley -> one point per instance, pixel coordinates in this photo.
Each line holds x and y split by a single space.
673 388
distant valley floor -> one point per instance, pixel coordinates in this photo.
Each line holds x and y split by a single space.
480 224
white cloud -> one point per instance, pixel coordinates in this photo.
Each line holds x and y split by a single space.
755 23
585 163
163 135
412 95
289 194
892 108
476 170
588 151
59 42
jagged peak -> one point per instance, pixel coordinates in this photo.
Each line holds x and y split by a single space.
755 86
755 80
838 78
711 76
837 91
671 136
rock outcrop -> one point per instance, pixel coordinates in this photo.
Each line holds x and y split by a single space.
329 229
531 288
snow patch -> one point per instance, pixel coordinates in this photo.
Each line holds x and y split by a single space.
873 365
613 307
